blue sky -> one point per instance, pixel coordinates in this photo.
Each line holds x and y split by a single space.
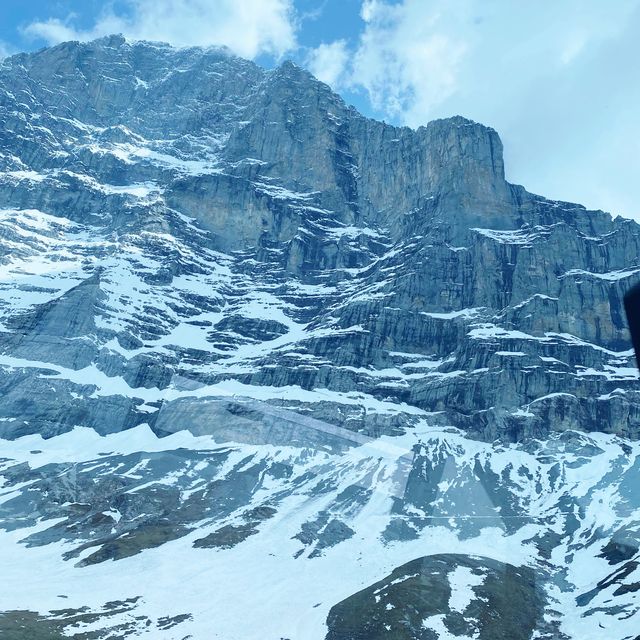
558 79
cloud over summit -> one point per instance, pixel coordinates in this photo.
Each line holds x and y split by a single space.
248 27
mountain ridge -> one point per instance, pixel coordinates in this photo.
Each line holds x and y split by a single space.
298 190
249 336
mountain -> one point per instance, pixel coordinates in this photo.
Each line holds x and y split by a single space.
329 376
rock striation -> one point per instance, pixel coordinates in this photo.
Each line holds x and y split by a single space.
249 336
185 213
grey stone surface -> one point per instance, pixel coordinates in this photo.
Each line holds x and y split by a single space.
183 188
413 601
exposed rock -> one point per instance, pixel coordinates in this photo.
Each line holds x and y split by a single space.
416 602
199 217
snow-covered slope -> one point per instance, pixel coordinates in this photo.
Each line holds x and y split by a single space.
246 335
265 540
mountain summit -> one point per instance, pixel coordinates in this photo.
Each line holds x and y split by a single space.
253 230
249 336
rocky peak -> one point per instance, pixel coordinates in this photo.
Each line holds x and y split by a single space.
469 152
289 71
193 246
250 225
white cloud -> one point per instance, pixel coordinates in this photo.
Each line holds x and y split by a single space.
247 27
329 63
53 31
415 58
558 80
5 50
405 62
406 59
575 45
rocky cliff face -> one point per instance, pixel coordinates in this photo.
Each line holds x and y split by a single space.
184 212
191 242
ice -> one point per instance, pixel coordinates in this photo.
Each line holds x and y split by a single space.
538 296
518 236
612 276
462 580
437 626
488 330
282 193
462 313
130 154
354 232
611 373
138 190
30 176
